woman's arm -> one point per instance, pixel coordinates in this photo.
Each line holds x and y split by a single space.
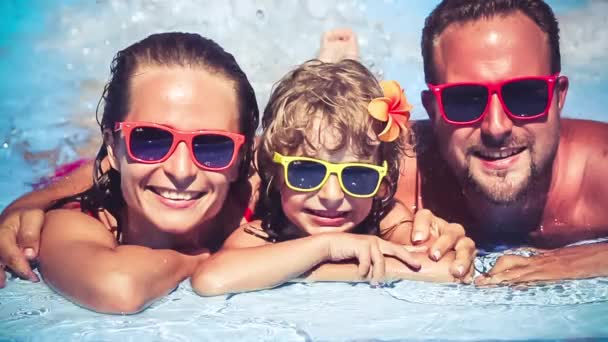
80 258
21 221
264 265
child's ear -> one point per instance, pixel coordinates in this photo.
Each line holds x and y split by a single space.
382 191
108 140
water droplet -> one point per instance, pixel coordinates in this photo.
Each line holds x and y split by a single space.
5 145
259 14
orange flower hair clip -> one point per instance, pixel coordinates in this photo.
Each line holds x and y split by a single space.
392 108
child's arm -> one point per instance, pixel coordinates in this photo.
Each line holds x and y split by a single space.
259 265
21 221
424 228
80 258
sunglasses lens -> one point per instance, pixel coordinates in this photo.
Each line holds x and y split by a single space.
213 150
526 98
305 174
464 103
360 180
150 143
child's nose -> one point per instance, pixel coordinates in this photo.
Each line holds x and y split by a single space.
331 191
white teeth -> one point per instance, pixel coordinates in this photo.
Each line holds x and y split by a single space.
176 195
498 154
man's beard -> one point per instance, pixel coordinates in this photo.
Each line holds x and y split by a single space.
505 188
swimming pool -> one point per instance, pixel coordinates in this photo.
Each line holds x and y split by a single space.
55 59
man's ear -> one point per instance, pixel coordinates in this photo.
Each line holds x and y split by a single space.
562 91
108 140
428 101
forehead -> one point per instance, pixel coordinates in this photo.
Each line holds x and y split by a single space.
186 98
492 49
325 139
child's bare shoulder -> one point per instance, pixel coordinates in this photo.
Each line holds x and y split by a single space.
249 234
397 224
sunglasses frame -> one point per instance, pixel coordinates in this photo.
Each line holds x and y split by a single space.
178 136
331 168
494 88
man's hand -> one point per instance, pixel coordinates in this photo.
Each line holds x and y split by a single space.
19 242
337 45
449 236
586 261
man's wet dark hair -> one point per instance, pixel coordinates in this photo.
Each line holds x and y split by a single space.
462 11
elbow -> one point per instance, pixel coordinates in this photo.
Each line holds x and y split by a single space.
119 293
207 283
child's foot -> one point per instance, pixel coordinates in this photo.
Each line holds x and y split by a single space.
337 45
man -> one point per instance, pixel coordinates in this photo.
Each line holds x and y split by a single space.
496 156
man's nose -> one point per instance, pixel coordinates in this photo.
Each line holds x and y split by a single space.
496 125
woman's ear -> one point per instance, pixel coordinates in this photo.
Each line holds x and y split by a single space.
108 140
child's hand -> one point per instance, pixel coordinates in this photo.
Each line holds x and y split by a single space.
369 251
443 237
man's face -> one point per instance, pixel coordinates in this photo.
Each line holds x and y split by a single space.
498 156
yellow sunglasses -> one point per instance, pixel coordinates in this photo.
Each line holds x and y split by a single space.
359 180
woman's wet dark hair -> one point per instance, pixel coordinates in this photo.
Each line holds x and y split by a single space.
163 49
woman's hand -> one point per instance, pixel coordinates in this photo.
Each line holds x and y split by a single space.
20 242
370 251
443 237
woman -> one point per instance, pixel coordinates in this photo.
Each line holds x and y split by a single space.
178 125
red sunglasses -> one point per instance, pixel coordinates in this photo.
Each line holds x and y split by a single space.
151 143
522 98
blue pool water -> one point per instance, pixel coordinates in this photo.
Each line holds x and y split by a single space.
54 60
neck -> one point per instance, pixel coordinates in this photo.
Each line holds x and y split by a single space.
512 221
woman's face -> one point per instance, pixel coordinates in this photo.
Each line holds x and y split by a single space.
176 196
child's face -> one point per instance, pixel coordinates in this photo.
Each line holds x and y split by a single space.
328 209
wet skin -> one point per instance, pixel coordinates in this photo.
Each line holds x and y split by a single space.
564 203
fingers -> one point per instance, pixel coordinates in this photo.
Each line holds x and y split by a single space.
401 252
2 276
461 267
421 230
364 262
449 235
507 262
28 237
378 267
12 257
514 275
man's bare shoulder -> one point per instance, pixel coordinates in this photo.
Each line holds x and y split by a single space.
585 135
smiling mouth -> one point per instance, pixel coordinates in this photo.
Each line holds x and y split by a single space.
330 214
499 154
175 195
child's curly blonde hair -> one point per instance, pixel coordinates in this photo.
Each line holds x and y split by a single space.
338 95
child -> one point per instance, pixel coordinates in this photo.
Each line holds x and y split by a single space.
329 163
